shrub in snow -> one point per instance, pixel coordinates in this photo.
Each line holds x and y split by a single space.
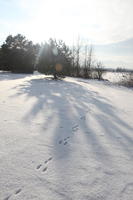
127 80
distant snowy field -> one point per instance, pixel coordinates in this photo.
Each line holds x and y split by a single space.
65 140
115 77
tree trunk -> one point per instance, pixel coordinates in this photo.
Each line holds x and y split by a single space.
55 76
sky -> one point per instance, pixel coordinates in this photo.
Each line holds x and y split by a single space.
105 24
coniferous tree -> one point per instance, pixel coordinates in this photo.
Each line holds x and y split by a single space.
55 58
18 54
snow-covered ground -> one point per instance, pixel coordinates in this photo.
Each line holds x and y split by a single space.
116 77
65 140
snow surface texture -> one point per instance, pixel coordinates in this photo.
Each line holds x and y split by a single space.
65 140
116 77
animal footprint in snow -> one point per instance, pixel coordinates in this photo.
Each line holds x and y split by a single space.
46 161
18 191
75 128
41 165
83 118
38 166
44 169
64 141
50 159
60 141
7 197
66 138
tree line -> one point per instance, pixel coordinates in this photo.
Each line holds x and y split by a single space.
19 55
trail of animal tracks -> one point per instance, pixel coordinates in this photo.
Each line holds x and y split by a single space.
65 140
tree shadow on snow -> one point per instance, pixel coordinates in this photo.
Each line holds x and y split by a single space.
65 105
12 76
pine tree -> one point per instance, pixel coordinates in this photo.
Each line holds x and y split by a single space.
55 58
18 54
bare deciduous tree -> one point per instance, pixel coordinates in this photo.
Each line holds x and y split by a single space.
88 61
100 70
